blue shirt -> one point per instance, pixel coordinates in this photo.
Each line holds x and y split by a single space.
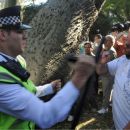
15 100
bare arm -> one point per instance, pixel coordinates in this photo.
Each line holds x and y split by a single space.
101 67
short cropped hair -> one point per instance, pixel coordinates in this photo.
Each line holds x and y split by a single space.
99 36
88 42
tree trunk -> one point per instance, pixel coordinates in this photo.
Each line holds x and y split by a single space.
58 29
9 3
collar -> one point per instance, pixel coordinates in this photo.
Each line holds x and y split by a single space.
3 59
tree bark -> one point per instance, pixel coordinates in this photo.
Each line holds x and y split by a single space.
9 3
58 28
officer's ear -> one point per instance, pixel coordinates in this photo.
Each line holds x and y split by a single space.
3 34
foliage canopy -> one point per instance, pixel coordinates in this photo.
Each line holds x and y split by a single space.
112 12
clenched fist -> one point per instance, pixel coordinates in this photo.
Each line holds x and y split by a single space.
83 69
56 84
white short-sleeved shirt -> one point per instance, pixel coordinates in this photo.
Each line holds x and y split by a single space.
120 68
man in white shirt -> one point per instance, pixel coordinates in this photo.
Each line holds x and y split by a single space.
120 69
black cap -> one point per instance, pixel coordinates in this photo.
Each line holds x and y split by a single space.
117 27
97 31
114 28
126 25
10 19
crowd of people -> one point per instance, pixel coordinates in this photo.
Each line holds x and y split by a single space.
113 71
20 107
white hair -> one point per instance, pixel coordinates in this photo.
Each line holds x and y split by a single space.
111 37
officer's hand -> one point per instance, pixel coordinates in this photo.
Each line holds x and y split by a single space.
56 84
83 68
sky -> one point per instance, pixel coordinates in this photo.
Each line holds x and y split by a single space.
26 3
38 1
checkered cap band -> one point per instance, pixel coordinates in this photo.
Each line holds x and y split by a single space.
10 20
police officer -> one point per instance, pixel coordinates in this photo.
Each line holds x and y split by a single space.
19 107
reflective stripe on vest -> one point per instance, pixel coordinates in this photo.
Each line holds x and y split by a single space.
22 61
6 78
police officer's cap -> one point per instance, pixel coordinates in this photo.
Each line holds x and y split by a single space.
10 19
